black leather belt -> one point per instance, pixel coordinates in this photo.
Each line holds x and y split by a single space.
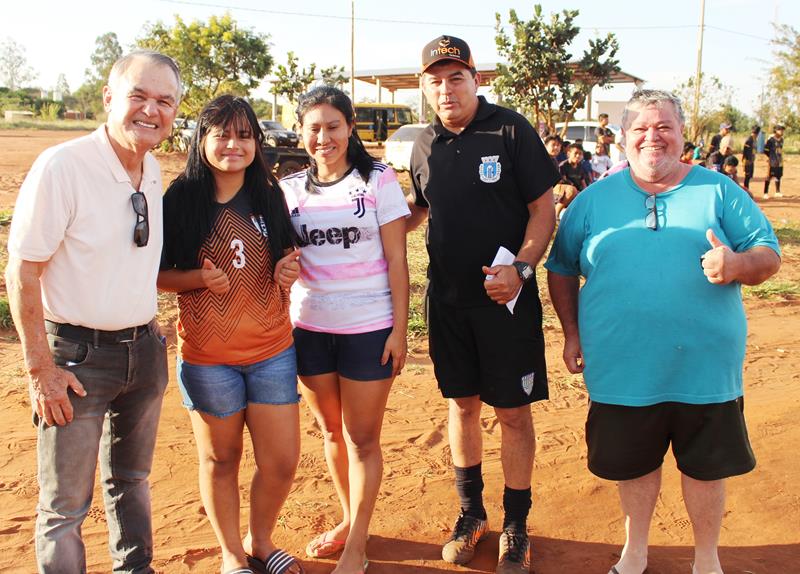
96 336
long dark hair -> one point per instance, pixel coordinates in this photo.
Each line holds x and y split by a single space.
190 198
357 154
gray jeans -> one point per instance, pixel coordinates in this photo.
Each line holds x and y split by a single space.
116 422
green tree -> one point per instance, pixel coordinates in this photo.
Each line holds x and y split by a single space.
291 81
784 80
538 79
106 51
215 58
14 68
88 98
715 98
261 107
334 76
62 86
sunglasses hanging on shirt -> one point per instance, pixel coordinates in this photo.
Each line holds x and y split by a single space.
141 232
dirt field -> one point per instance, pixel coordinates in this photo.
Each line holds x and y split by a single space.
576 525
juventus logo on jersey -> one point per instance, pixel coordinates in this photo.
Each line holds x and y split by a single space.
357 195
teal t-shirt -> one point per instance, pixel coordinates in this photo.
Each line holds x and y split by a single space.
652 328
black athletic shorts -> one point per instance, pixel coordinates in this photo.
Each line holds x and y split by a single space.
776 172
489 352
709 441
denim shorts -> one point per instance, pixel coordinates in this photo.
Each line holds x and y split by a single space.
222 390
356 357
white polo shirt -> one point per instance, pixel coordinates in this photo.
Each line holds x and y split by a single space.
74 211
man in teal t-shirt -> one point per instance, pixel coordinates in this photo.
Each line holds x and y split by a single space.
659 329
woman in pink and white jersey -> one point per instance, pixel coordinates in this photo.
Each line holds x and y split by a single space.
349 307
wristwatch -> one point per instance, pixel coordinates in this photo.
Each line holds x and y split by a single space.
524 270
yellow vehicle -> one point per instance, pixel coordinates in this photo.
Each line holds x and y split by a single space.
377 121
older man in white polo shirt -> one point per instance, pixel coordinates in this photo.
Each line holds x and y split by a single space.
84 251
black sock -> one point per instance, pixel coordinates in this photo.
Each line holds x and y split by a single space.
516 504
777 186
766 186
469 485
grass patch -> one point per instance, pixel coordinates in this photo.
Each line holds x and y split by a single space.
6 322
417 272
773 290
58 125
788 235
791 143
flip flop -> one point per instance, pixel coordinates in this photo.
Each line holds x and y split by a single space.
279 562
239 570
323 546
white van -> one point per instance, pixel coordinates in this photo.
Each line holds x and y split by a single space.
397 149
585 131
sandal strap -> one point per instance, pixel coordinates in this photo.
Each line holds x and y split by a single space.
279 562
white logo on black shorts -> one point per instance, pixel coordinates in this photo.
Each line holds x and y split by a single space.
527 383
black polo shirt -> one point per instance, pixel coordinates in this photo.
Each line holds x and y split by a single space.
477 186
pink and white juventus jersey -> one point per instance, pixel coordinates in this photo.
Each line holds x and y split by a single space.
343 285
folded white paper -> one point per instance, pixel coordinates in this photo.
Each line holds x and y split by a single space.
505 257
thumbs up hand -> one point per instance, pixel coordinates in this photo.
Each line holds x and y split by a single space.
215 280
287 269
720 263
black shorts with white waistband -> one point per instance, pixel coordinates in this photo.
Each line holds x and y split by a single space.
490 352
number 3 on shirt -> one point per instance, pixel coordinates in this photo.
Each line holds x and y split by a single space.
238 256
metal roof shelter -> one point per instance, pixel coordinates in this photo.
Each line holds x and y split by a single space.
408 78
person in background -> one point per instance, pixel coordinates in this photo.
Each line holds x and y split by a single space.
228 254
574 178
586 160
349 307
749 155
720 147
602 133
552 144
600 160
687 156
774 152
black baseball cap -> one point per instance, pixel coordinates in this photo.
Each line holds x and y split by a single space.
447 48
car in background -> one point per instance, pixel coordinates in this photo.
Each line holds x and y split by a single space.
585 131
275 135
397 149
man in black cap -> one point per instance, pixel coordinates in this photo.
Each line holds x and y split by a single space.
483 181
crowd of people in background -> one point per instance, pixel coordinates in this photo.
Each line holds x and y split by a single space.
580 168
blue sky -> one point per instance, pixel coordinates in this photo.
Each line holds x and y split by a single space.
658 40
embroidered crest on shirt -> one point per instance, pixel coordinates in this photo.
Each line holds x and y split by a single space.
527 383
357 195
490 169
